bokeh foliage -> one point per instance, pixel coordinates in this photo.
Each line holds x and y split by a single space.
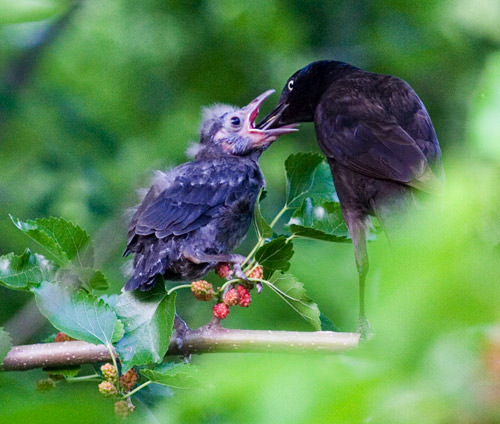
85 117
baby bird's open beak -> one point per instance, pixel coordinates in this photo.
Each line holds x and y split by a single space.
262 137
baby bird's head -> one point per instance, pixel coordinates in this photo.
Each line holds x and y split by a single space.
227 130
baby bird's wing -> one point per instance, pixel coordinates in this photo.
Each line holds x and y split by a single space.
187 197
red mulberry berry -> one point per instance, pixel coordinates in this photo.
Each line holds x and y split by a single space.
107 388
244 296
202 290
222 269
231 298
220 310
129 379
109 372
257 272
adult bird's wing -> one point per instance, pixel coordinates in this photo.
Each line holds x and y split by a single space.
186 198
384 133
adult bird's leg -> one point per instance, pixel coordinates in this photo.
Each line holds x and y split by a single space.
357 227
232 258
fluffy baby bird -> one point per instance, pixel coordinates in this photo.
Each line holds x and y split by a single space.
194 215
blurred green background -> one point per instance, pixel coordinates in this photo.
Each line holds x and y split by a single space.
94 95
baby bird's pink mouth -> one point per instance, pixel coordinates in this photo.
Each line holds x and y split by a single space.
263 136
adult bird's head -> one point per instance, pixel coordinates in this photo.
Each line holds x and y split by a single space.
227 130
302 93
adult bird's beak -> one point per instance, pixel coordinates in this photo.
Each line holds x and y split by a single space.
262 137
272 119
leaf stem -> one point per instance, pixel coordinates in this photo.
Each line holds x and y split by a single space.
112 354
276 289
181 286
260 241
250 265
252 252
137 389
234 280
92 377
278 216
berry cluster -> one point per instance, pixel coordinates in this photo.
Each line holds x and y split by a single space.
238 295
235 296
114 386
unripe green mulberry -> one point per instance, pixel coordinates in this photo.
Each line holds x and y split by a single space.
123 408
107 388
202 290
109 372
45 384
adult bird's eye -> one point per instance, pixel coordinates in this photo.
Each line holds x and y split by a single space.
290 85
235 121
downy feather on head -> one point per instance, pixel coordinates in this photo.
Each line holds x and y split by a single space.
211 119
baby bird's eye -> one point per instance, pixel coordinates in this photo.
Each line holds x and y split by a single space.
235 121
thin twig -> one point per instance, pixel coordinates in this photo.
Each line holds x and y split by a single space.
181 286
137 389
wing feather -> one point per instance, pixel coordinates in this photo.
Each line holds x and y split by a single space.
386 134
187 197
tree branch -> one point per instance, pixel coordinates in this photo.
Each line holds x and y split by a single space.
210 338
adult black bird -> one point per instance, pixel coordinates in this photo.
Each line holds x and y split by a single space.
377 136
195 214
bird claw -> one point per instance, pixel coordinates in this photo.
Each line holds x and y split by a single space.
180 331
238 272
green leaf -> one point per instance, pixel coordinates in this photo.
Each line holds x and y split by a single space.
22 272
148 318
175 374
110 299
118 331
308 175
319 220
64 240
275 255
264 230
322 187
87 278
29 10
92 279
293 293
5 344
78 314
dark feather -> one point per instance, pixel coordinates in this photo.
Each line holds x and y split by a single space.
382 132
196 205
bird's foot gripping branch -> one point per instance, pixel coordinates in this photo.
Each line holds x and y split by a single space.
133 331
